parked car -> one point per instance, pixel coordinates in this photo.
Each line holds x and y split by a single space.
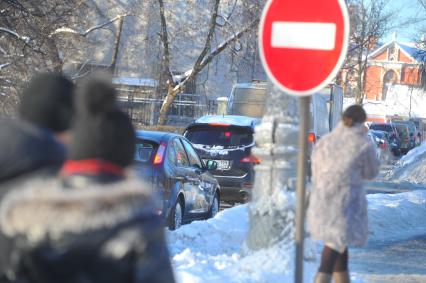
412 129
421 129
372 139
171 166
404 137
228 140
395 142
383 143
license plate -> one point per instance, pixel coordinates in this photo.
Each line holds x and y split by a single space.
221 164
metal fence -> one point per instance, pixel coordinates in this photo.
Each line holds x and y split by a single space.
185 109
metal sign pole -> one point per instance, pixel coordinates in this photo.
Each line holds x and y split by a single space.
301 185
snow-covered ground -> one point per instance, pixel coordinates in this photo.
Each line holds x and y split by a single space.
210 251
411 168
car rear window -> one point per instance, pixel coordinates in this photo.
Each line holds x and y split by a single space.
144 151
220 136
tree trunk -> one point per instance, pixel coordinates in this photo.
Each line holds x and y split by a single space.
113 66
171 94
271 212
56 62
359 96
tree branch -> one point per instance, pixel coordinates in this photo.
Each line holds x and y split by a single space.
227 42
423 3
2 66
206 60
87 31
25 39
212 28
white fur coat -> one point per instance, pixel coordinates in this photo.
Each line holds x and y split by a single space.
337 210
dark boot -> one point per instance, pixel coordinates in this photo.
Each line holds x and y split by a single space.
322 277
341 277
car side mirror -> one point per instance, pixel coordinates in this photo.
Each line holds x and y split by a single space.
211 165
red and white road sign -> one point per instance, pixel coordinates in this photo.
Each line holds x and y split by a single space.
303 43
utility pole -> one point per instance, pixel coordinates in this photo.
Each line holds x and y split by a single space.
271 212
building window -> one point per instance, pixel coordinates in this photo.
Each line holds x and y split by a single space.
393 53
389 79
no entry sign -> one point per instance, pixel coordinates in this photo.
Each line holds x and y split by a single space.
303 43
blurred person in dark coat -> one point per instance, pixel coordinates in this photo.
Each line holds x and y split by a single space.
33 144
95 223
35 141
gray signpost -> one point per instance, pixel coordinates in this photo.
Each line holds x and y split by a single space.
302 51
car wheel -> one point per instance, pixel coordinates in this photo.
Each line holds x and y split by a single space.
214 209
176 216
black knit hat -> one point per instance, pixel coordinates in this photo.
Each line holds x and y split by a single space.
100 129
48 102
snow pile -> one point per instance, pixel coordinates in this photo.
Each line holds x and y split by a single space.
411 168
210 251
396 217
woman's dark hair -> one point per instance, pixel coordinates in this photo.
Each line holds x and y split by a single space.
354 114
100 129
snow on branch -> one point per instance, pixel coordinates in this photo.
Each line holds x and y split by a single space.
2 66
3 51
25 39
84 33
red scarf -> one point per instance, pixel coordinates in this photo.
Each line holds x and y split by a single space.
90 167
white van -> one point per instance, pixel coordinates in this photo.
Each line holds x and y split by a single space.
249 99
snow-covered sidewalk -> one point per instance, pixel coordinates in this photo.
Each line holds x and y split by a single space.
209 251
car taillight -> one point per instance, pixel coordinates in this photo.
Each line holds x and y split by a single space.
250 159
312 138
219 125
159 157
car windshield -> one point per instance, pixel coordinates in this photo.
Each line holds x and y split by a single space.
220 136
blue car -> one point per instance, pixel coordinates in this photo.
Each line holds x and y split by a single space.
170 165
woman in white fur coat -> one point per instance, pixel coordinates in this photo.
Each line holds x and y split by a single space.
337 213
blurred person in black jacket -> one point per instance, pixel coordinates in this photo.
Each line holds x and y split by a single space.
35 141
95 223
33 144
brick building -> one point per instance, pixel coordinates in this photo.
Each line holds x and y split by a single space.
394 63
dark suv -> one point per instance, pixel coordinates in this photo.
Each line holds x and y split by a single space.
228 140
394 139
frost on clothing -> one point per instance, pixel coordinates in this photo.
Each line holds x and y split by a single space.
102 233
337 212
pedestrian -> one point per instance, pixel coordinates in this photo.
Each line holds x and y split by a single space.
34 142
94 223
337 213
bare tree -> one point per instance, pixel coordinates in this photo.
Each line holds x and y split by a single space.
205 57
370 20
37 36
25 44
